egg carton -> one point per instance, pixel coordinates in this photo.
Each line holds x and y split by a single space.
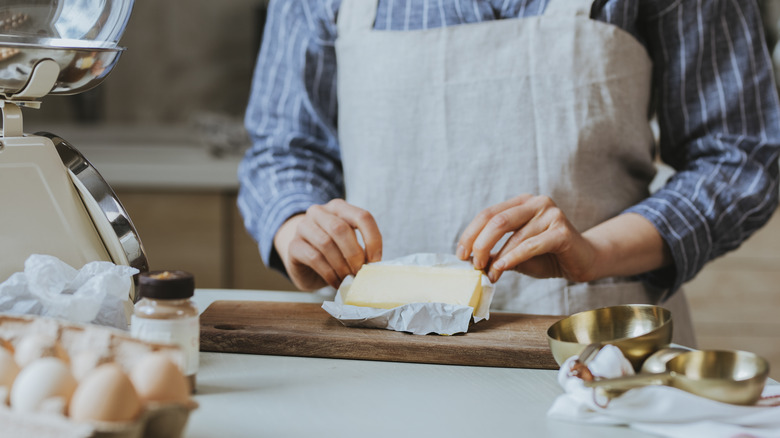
158 420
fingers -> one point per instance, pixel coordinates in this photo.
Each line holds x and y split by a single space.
308 268
335 249
547 246
520 251
364 222
490 225
541 241
326 247
540 223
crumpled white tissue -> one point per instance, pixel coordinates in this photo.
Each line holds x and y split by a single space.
97 293
416 318
661 410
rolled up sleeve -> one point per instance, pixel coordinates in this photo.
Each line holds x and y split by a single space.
294 161
718 117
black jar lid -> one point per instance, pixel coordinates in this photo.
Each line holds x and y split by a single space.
166 285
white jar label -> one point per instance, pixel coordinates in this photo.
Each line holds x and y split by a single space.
184 332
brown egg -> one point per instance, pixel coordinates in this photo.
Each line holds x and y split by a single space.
8 372
35 346
158 379
105 394
44 383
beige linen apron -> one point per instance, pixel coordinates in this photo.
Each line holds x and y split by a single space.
435 125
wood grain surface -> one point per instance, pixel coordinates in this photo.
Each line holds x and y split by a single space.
305 329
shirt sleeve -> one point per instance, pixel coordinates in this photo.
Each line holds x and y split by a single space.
294 161
717 110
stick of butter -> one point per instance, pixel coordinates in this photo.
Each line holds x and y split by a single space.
386 286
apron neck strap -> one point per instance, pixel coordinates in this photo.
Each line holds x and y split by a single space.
356 15
569 8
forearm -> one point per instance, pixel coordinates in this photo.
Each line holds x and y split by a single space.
626 245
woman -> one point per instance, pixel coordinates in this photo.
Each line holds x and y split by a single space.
516 133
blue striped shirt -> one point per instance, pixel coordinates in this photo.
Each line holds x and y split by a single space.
716 105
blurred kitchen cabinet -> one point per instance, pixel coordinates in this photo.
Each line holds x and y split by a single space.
181 230
200 232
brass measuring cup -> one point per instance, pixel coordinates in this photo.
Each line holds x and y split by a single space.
638 330
728 376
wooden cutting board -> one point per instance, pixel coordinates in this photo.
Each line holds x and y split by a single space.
305 329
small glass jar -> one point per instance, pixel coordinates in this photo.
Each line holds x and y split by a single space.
166 314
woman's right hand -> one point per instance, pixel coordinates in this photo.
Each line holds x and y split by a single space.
320 247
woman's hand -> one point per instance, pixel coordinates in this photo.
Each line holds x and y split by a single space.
542 242
321 248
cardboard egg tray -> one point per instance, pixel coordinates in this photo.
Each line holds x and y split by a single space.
157 420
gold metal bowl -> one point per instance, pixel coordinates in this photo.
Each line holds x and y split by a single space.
638 330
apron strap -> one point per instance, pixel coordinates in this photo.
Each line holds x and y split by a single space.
356 16
568 8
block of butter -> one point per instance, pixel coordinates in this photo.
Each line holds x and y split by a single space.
387 286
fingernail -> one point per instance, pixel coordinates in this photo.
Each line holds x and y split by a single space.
461 252
477 263
499 265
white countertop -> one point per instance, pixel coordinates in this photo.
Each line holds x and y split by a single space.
243 395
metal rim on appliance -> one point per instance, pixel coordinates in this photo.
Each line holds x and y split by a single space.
81 68
24 42
111 219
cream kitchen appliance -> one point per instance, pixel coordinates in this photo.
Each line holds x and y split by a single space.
52 200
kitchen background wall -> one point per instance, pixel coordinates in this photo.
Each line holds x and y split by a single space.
181 88
174 104
183 58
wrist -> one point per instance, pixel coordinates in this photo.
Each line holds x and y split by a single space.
602 256
284 236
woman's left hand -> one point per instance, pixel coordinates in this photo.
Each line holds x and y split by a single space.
542 242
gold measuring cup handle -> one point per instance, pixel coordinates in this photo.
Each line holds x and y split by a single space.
734 377
616 386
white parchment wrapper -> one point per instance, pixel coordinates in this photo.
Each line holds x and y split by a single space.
98 293
416 318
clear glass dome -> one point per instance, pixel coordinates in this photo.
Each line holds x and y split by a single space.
81 36
99 21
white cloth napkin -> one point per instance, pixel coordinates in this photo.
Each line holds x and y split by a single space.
661 410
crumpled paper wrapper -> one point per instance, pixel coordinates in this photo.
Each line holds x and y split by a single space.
416 318
98 293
